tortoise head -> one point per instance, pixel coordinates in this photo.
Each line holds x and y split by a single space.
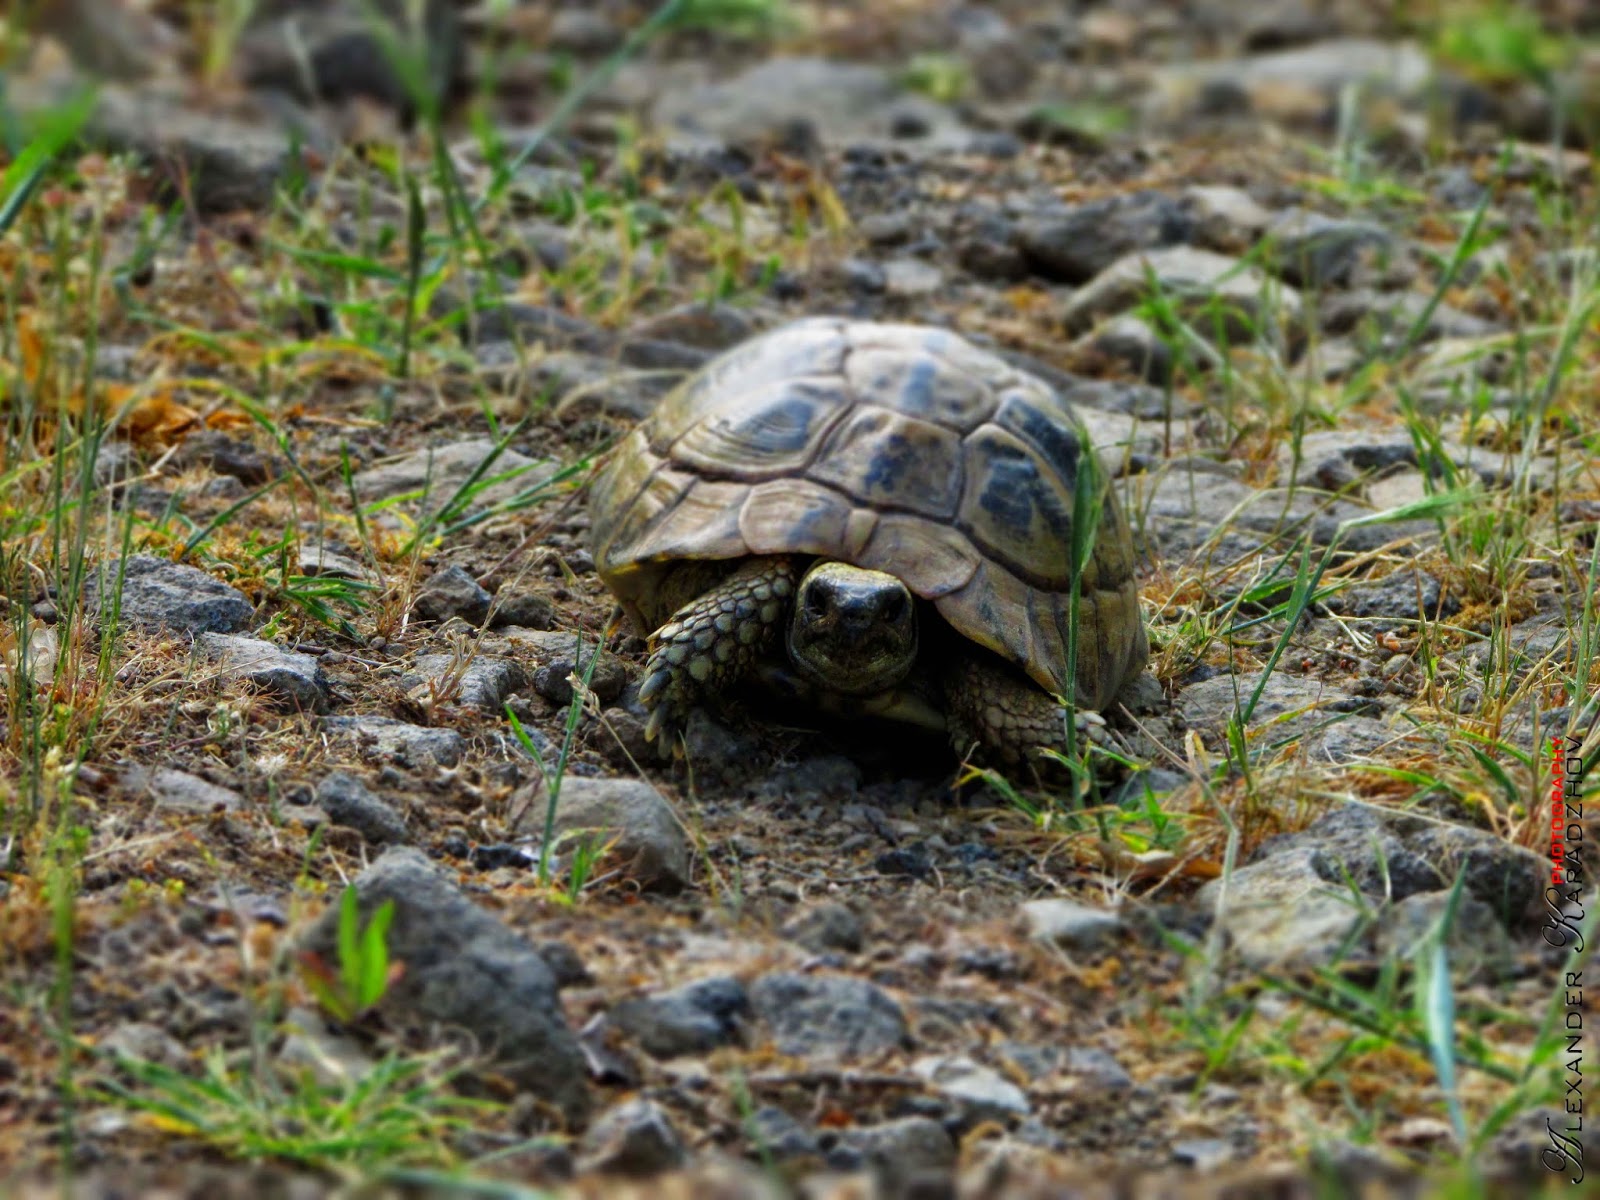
853 631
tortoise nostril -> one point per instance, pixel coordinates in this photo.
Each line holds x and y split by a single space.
818 601
893 607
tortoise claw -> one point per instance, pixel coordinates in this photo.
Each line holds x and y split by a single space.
655 683
652 728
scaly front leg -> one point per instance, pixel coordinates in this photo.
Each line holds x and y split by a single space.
714 641
1011 717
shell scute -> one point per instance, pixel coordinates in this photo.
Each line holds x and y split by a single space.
772 430
888 459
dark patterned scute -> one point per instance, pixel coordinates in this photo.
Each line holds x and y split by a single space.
895 447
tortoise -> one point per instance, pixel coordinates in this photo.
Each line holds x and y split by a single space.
873 519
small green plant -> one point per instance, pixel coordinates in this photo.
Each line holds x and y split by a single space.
398 1113
364 973
737 18
587 851
1499 42
223 22
1087 122
937 76
555 772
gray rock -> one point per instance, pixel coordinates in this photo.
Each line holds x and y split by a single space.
1098 1068
635 1138
826 927
1208 705
979 1093
1281 912
1226 219
1403 595
452 592
564 963
1134 345
627 813
1035 1060
1331 458
146 1042
483 682
1136 400
1538 638
157 594
693 1019
1277 24
1348 739
648 354
986 247
1287 79
818 777
223 162
1331 358
1115 436
494 319
892 228
409 745
33 655
1077 243
712 748
1313 251
1457 188
226 456
796 101
348 802
1465 362
1222 296
107 41
862 276
827 1018
1203 1154
1384 318
437 474
466 969
585 387
330 52
911 278
335 1060
556 657
704 326
319 558
1476 944
905 1151
115 462
1505 876
1071 925
290 676
183 792
1357 842
1001 57
780 1135
582 31
1149 781
223 489
528 610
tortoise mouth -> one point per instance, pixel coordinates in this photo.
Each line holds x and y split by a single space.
853 630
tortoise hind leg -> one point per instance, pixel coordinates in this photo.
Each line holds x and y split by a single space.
1006 713
714 641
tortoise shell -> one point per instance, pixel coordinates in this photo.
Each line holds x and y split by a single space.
898 448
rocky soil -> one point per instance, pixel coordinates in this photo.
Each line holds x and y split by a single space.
1320 278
